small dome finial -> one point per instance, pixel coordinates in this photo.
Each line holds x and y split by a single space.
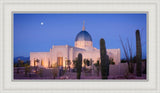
83 28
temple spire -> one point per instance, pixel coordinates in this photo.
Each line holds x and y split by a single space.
83 28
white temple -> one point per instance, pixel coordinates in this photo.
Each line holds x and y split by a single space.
59 54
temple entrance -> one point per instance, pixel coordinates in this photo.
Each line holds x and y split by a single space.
60 61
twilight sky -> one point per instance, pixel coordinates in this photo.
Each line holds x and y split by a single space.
39 32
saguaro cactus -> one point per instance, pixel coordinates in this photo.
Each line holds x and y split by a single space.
79 66
104 60
138 54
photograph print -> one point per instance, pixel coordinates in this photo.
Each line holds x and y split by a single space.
79 46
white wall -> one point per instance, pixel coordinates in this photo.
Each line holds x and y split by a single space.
69 52
41 56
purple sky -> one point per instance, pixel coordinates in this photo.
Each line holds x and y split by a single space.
61 29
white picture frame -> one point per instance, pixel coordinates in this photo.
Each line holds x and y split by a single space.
151 7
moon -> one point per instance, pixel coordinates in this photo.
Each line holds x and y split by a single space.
42 23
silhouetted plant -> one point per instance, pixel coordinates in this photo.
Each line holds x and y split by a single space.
111 61
123 60
138 54
27 69
97 67
104 60
85 64
36 64
36 61
20 63
128 59
144 72
41 72
68 62
55 70
28 62
91 62
79 66
88 62
75 63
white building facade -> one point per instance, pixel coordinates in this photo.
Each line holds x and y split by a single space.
59 54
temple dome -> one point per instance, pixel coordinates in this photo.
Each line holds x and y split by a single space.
83 39
83 36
